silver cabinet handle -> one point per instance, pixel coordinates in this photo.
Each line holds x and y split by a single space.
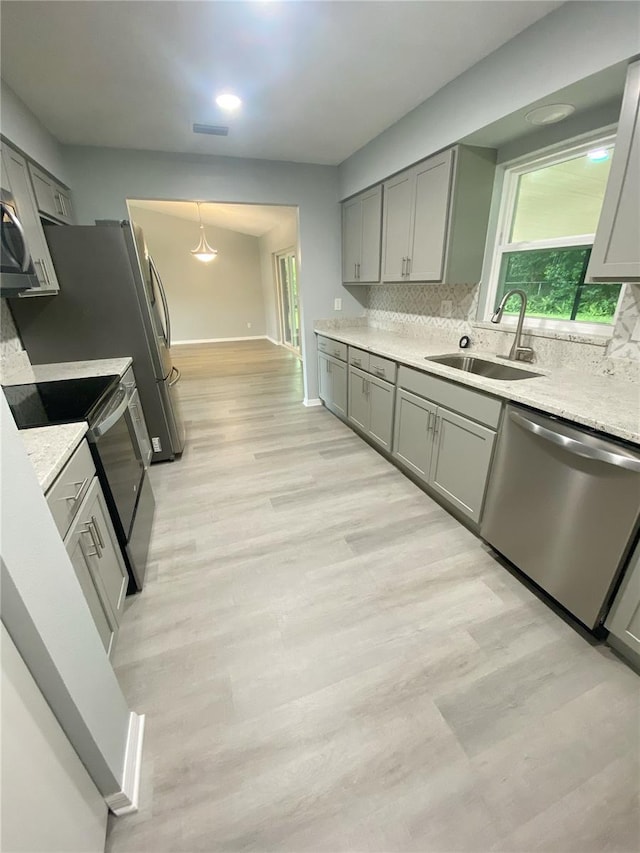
364 390
436 425
380 371
87 554
404 261
59 203
408 272
358 269
355 270
578 448
429 419
97 529
75 497
45 271
88 530
356 362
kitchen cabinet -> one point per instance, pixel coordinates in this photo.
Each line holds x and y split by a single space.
361 237
616 248
15 174
371 403
435 218
93 549
332 380
449 450
623 620
53 199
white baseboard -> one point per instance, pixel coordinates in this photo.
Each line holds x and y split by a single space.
315 401
220 340
125 801
273 340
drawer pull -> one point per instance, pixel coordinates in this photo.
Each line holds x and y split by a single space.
75 497
380 371
356 362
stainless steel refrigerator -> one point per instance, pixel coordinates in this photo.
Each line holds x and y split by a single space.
111 304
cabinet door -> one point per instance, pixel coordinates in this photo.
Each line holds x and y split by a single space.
381 400
323 378
624 619
351 238
52 198
413 434
616 248
358 399
338 378
460 462
109 565
76 548
15 169
369 269
398 196
430 218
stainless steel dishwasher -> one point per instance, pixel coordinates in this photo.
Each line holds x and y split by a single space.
563 506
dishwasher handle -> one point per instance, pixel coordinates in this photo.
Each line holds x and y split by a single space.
578 448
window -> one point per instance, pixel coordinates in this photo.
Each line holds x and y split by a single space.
548 217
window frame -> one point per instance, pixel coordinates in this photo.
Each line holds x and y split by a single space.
512 171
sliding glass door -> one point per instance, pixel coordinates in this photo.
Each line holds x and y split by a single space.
288 298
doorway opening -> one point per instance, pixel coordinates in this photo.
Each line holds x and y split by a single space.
289 304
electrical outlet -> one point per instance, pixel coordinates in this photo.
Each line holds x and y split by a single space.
446 308
155 442
337 304
248 325
635 335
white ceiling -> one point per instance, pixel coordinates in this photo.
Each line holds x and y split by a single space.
318 79
253 219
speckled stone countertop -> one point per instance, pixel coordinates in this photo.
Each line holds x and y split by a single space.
23 374
609 405
49 448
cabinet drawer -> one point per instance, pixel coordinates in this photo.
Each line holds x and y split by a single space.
382 368
359 358
473 404
331 347
66 494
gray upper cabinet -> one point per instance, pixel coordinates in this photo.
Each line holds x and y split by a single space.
361 233
616 248
435 217
15 174
623 621
54 199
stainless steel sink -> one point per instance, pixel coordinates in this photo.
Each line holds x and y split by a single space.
482 367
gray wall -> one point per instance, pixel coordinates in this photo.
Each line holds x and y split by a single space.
103 178
26 132
576 40
207 301
283 236
45 611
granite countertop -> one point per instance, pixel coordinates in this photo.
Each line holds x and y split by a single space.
49 448
21 374
601 402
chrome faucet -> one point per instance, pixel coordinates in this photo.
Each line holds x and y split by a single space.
517 351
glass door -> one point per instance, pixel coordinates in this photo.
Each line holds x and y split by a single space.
288 298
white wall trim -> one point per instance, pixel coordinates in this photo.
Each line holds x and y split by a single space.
221 340
315 401
125 801
273 340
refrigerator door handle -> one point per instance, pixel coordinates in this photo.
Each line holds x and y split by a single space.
176 372
163 296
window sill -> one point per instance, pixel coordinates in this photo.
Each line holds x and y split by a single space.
598 340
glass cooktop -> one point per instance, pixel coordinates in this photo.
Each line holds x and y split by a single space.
61 402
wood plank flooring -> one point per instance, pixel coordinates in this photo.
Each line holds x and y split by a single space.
328 661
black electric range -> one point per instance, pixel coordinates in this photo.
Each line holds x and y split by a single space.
62 401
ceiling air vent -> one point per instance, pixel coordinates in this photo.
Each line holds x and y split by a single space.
211 129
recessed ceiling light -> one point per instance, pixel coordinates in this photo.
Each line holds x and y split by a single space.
228 101
598 155
549 114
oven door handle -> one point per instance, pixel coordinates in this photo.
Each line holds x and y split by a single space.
113 415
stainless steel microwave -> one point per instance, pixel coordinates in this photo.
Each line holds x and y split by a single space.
17 272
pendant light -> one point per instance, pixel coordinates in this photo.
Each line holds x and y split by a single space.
203 251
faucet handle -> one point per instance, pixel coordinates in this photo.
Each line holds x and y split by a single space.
524 354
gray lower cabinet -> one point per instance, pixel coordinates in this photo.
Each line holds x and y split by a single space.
451 453
616 247
623 620
94 552
332 383
371 404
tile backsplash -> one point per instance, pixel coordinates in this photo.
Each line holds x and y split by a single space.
9 338
418 310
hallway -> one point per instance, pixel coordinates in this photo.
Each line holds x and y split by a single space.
328 661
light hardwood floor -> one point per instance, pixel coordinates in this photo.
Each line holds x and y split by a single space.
329 662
